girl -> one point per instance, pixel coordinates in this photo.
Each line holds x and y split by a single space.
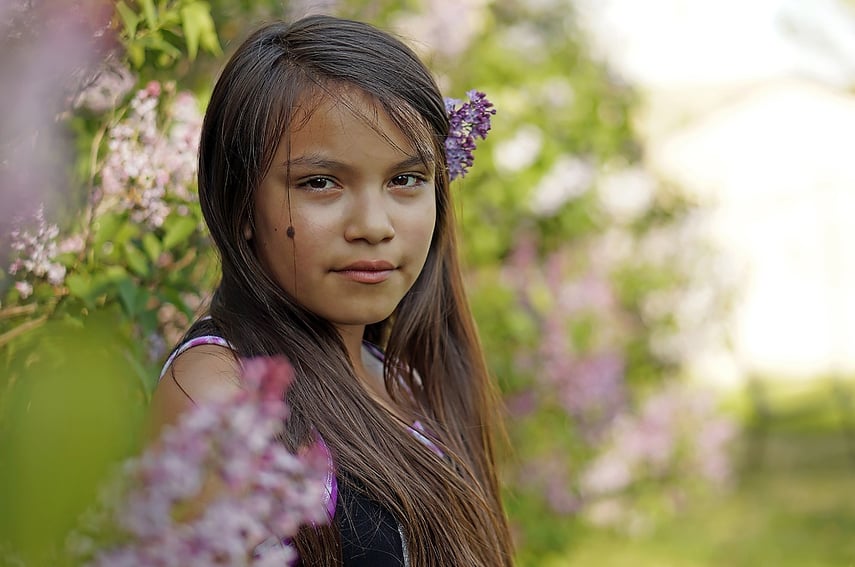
323 179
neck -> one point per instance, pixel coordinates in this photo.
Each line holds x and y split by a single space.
352 335
368 369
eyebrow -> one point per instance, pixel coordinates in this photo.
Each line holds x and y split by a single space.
321 162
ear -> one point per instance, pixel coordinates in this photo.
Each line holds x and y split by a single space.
247 231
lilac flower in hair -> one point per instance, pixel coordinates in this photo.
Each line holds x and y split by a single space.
469 120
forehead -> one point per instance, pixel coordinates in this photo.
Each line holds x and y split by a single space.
349 120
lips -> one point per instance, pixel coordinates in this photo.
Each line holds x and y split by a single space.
367 271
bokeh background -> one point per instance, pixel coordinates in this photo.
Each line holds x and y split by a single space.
656 238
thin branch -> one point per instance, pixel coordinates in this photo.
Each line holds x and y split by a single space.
18 310
8 336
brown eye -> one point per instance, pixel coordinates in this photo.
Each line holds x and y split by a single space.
406 181
317 184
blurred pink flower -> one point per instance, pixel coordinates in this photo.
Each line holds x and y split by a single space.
550 474
266 491
676 433
25 289
47 49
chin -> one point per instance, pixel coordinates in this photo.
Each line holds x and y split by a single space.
366 318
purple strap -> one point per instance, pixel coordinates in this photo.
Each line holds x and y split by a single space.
184 347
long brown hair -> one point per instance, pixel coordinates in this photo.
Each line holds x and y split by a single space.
449 508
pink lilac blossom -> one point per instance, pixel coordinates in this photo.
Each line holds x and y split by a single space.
264 491
36 252
676 432
25 289
151 168
586 380
468 121
589 386
551 475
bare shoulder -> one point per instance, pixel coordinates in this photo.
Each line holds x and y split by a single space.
205 373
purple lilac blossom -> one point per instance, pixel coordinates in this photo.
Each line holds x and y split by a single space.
468 121
588 381
263 490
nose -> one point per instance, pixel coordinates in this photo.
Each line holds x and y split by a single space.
370 217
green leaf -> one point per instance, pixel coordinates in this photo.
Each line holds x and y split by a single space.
199 29
156 42
80 286
152 246
179 230
113 275
210 42
106 228
141 306
128 296
164 60
190 21
167 11
136 54
150 13
126 232
129 18
137 261
147 380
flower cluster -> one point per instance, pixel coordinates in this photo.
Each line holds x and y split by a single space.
263 493
675 434
148 166
585 376
37 251
468 121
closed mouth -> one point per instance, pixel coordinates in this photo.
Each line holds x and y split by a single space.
367 266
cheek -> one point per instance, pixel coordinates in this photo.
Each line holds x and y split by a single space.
428 231
277 256
423 230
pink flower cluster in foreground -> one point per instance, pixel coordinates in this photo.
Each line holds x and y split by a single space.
263 493
148 166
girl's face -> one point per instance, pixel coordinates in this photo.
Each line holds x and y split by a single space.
362 207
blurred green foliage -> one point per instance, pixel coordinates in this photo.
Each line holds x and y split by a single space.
163 32
70 409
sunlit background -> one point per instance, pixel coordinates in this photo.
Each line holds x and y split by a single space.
655 237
